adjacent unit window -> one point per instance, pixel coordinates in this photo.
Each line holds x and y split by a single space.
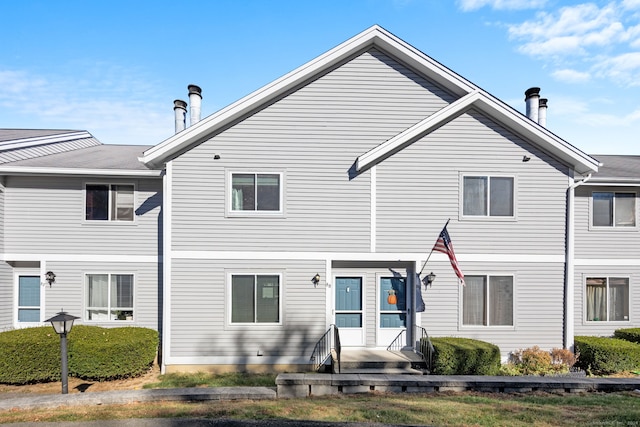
109 297
104 202
29 299
487 301
255 298
259 192
613 209
607 299
489 196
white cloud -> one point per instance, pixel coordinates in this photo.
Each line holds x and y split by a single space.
469 5
623 69
567 75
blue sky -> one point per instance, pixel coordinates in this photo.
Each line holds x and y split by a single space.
114 67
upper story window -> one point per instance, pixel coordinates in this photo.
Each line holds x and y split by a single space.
488 196
487 301
109 202
109 297
255 298
607 299
613 209
256 192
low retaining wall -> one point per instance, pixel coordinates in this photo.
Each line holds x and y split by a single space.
303 385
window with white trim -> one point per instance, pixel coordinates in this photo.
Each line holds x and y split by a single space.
607 299
487 301
613 209
488 196
255 298
109 202
109 297
256 192
29 298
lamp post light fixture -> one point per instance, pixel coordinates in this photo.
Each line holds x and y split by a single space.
428 279
62 324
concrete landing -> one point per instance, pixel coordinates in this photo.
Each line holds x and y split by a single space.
375 361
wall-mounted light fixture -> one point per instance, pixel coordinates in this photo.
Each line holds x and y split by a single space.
316 279
428 279
50 277
526 158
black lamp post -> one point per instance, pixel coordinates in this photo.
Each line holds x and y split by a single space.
62 324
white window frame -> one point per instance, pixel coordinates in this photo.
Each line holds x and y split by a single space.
487 308
109 220
488 216
585 297
87 307
16 278
613 226
229 302
253 213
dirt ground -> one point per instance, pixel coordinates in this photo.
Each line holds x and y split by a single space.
76 385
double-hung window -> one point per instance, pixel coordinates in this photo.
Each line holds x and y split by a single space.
256 192
109 297
607 299
255 298
487 301
109 202
487 196
613 209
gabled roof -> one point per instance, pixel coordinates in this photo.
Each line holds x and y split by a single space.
21 144
617 169
470 95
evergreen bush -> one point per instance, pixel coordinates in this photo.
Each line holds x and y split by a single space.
464 356
29 355
32 355
603 356
628 334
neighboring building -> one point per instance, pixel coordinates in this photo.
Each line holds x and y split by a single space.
246 235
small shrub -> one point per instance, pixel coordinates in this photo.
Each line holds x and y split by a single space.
535 361
103 354
603 356
628 334
30 355
464 356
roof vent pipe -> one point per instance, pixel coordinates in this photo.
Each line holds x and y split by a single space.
195 102
532 97
180 110
542 112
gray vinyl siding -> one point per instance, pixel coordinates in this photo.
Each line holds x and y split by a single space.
199 312
418 190
603 242
313 136
46 215
6 279
69 291
538 312
582 327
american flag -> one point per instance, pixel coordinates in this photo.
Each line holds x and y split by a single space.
444 245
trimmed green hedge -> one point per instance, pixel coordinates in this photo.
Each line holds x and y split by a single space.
464 356
628 334
32 355
602 356
103 354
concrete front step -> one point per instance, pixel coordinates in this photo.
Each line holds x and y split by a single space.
383 371
375 361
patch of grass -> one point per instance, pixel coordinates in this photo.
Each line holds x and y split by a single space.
442 409
201 379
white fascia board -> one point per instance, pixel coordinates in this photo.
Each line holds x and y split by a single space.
423 127
548 141
614 182
374 36
17 170
41 140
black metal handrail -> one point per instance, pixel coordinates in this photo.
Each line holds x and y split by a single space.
422 346
328 346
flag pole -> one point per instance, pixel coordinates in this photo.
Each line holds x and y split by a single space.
429 256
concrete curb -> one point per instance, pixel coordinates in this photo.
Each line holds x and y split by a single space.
32 401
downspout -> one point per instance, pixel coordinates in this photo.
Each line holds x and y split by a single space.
569 280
